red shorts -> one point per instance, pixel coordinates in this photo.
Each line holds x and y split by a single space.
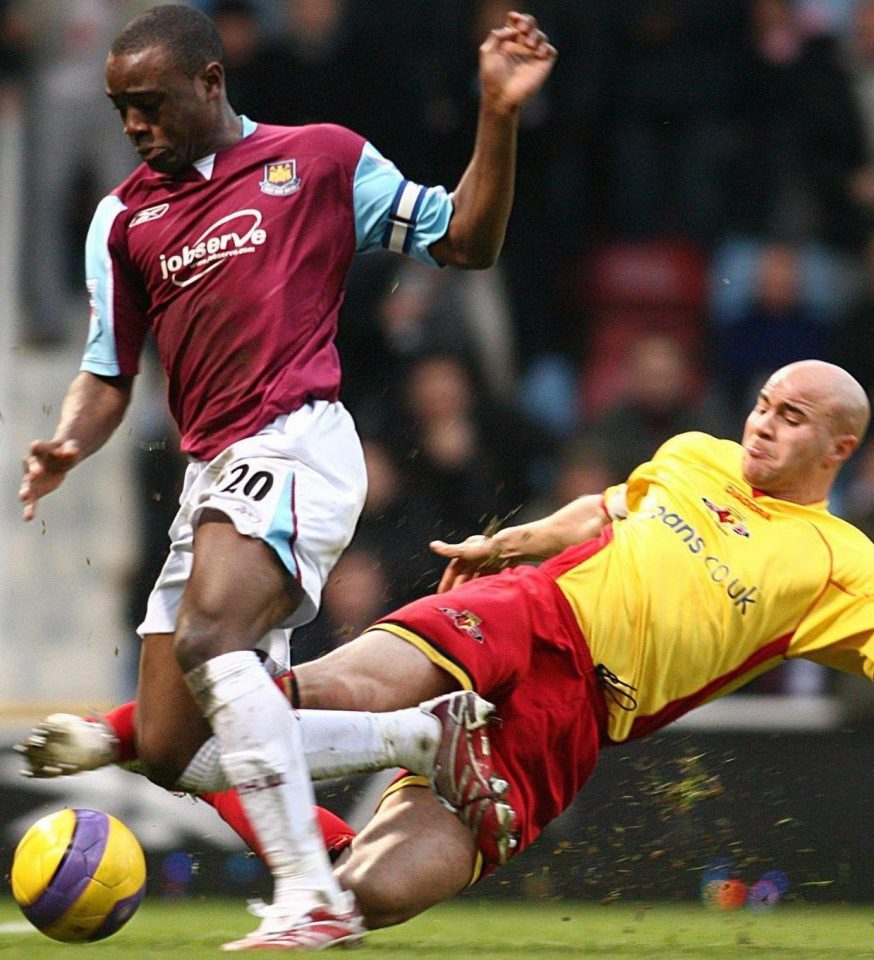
514 640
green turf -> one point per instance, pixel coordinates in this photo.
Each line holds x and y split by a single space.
483 930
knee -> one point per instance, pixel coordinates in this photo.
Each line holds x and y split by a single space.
198 639
383 903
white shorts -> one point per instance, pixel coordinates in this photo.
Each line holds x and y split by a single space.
298 485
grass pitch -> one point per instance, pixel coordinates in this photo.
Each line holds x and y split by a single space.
482 930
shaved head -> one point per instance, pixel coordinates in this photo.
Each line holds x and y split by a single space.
809 419
841 395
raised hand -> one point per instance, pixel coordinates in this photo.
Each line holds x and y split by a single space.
515 60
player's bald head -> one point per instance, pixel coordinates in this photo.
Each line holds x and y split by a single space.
837 393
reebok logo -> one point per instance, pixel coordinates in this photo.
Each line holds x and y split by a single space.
149 214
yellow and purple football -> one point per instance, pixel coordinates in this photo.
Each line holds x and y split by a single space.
78 875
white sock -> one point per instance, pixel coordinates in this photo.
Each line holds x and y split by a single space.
262 756
204 772
337 743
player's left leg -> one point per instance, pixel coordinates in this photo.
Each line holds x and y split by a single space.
412 855
221 619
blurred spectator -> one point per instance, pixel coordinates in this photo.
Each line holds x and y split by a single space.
833 16
471 458
582 466
629 290
772 303
859 47
854 340
674 96
859 500
158 469
665 395
397 311
540 233
801 138
16 41
253 89
394 525
859 58
327 61
292 72
360 63
75 154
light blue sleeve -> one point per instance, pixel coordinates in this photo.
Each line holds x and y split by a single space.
392 213
100 353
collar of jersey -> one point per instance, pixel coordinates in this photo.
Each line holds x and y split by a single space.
205 164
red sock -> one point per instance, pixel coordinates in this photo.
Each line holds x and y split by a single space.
121 721
336 832
288 685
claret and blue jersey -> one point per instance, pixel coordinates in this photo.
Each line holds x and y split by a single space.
238 266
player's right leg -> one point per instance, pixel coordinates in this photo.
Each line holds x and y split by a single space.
170 727
162 730
64 744
413 854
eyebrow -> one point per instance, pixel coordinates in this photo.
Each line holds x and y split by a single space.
135 96
784 405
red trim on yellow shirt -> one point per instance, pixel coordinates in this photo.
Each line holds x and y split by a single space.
574 556
676 708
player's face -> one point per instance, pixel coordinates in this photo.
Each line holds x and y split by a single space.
788 441
171 119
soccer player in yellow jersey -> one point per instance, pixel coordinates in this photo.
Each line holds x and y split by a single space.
714 562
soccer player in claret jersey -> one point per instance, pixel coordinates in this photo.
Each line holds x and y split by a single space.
712 563
231 243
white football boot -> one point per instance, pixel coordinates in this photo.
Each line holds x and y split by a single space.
64 744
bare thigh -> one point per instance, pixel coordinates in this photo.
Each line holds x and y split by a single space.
412 855
377 671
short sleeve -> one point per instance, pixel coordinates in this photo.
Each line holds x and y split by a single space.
393 213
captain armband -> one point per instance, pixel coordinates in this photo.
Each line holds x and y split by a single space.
402 217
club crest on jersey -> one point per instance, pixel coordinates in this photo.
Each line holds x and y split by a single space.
280 178
465 621
725 516
149 214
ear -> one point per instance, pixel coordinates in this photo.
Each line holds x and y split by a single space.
843 447
212 78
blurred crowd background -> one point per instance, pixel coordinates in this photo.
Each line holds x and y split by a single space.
694 208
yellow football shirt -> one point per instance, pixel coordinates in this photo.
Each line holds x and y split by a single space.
708 583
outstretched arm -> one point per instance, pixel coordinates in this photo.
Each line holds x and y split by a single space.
93 408
515 61
576 521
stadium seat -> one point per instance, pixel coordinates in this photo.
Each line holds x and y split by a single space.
632 289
